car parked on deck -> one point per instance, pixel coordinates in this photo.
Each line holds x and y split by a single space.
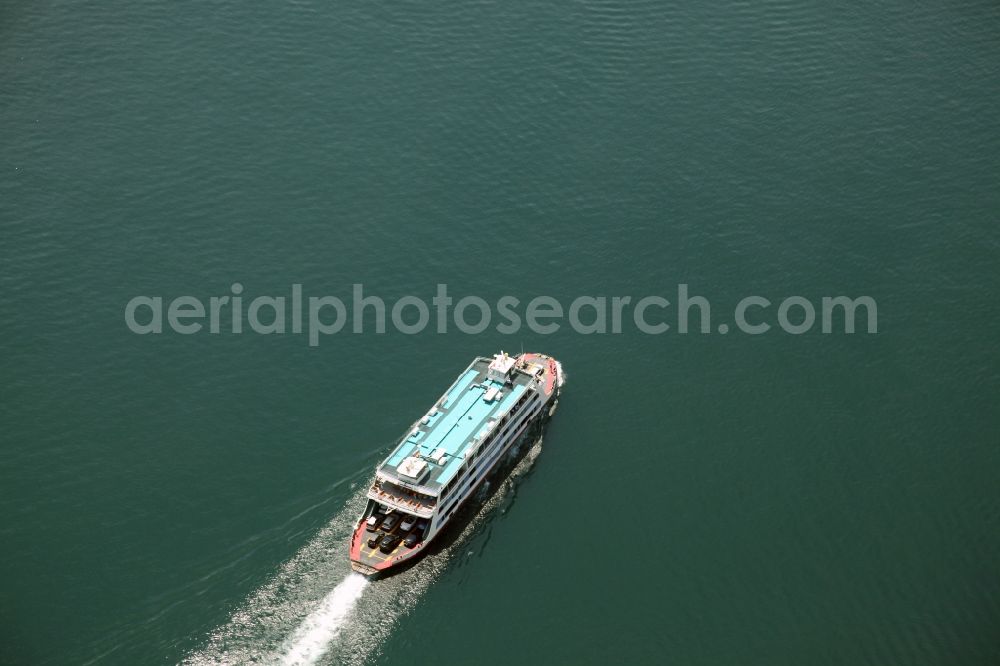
407 524
374 521
390 522
389 542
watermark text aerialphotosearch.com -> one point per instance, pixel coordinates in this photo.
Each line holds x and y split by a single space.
318 316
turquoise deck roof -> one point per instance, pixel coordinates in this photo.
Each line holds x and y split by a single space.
454 422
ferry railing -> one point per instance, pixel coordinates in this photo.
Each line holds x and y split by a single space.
422 509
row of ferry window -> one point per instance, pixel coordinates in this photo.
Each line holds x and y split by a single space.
467 465
471 482
467 468
479 472
448 511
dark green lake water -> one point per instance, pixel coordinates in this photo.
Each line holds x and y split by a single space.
811 499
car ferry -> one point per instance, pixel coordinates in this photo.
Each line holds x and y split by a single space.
442 459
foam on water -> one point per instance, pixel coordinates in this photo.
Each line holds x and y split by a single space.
316 610
262 629
313 636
